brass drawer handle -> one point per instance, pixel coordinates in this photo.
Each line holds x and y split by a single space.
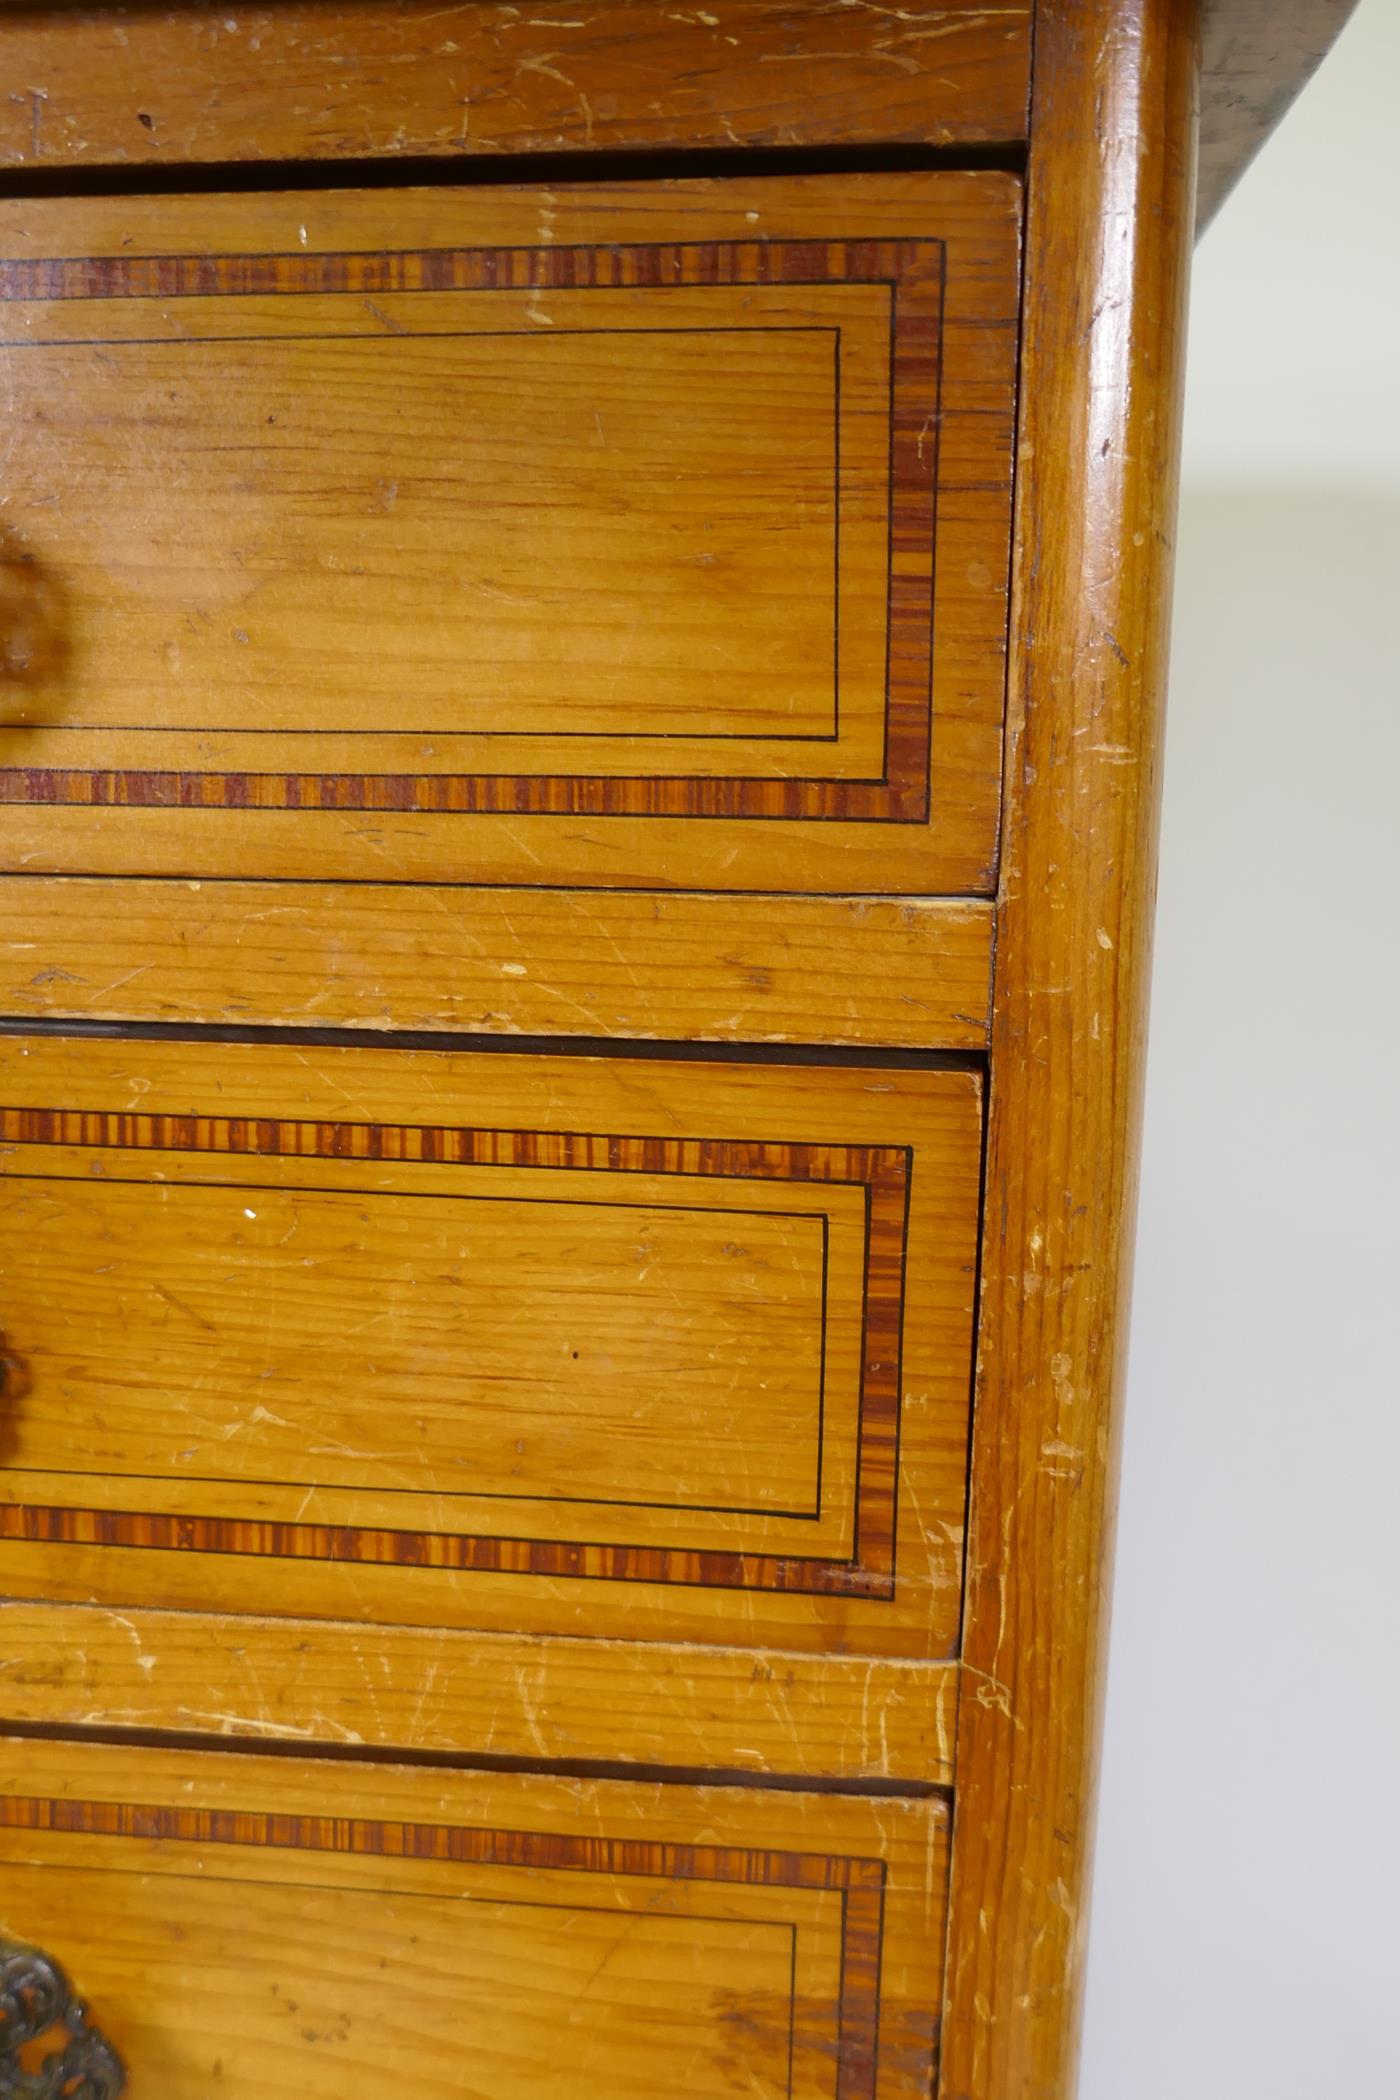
35 1998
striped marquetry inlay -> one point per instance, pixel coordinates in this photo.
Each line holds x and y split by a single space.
735 1188
518 1935
682 1336
623 539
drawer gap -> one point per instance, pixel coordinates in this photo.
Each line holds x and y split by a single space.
588 1768
433 171
797 1055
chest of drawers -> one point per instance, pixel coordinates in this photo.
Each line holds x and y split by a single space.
583 609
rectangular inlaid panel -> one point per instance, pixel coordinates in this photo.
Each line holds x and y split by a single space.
259 1929
539 1320
644 537
550 1344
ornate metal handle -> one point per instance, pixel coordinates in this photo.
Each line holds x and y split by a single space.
36 1999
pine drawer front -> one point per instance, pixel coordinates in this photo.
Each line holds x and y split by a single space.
865 973
332 79
646 536
571 1345
259 1928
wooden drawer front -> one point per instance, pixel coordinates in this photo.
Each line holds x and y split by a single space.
907 973
501 1340
522 536
255 1929
314 79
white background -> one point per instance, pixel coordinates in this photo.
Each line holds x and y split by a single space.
1246 1925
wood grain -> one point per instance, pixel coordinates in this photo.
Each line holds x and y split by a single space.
1112 153
386 1434
445 1353
155 85
539 531
614 538
908 973
528 1935
346 1511
1257 57
477 1695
